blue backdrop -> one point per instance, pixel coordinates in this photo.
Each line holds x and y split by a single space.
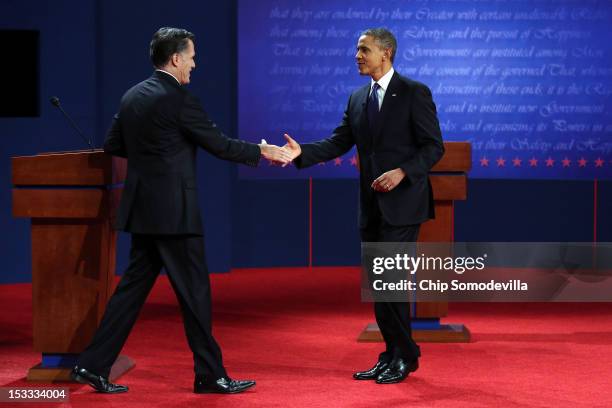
528 83
91 51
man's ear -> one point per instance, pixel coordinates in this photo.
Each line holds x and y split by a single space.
175 59
388 53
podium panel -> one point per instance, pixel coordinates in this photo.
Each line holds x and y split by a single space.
71 199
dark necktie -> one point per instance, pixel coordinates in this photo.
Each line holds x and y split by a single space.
373 111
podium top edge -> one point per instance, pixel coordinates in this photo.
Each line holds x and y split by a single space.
62 153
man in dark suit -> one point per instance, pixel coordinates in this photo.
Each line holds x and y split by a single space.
392 121
159 127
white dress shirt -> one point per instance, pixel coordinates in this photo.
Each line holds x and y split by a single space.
383 85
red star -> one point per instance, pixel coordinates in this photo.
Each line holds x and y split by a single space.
533 162
550 162
484 162
337 161
501 162
582 162
566 162
517 162
353 161
599 162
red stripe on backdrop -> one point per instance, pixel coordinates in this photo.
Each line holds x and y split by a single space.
595 210
453 221
310 222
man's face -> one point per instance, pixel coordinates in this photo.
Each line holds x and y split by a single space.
370 57
186 63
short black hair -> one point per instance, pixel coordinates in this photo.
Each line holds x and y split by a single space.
166 42
384 38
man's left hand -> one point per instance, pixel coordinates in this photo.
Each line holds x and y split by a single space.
389 180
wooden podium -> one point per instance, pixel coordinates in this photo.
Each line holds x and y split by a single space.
449 183
70 198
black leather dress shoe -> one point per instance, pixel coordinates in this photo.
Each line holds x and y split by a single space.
223 385
397 371
373 372
98 382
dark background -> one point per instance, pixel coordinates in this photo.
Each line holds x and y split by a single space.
91 51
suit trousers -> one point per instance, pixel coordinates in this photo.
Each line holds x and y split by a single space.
393 318
183 258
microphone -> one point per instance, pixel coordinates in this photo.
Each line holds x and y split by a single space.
56 102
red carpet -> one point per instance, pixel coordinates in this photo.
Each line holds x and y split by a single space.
293 330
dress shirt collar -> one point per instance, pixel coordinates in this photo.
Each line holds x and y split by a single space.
166 72
384 81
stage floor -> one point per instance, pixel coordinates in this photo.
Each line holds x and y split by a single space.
294 330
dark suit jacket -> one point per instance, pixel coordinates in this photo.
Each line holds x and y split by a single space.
158 128
408 137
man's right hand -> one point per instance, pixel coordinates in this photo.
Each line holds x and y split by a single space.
292 147
275 154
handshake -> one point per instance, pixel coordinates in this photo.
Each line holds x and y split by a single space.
281 155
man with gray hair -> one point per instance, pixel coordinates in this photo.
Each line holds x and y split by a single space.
159 128
393 122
